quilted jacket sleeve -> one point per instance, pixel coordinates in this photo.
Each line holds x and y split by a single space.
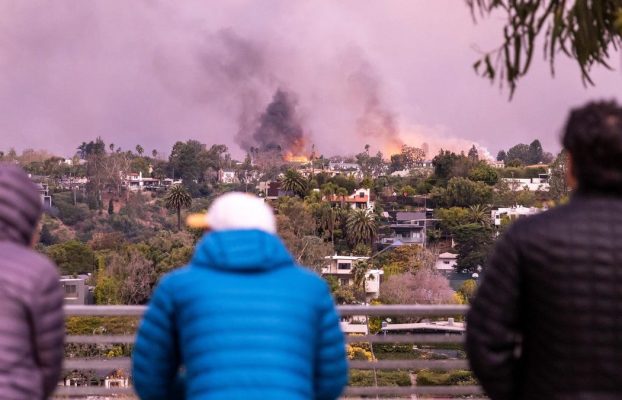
48 324
331 372
155 360
493 323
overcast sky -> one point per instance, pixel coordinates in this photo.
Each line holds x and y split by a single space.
154 72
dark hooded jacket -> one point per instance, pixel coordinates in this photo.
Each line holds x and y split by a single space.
546 322
31 300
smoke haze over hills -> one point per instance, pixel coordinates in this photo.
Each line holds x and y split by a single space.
154 72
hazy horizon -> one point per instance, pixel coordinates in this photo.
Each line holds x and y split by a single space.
155 72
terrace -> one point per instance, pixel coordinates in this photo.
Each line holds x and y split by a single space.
378 366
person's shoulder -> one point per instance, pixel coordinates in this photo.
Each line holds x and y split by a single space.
38 264
171 280
310 279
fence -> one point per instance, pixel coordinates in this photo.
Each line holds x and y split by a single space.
345 311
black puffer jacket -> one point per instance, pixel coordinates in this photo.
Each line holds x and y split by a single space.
31 300
547 320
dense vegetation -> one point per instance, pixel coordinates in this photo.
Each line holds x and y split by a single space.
127 239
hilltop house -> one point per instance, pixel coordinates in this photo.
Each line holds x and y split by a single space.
136 182
44 192
513 213
539 184
227 176
406 227
360 199
76 291
446 263
341 267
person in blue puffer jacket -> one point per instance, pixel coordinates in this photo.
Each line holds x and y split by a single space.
242 320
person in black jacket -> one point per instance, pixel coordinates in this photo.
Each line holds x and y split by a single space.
546 322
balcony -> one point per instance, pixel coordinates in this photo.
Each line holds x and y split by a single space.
378 366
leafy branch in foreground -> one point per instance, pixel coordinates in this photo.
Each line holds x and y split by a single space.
585 30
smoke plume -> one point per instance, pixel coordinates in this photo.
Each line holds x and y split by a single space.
377 122
155 72
279 126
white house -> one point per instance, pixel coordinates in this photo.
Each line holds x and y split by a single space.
136 182
513 213
44 192
446 262
341 268
361 198
227 176
540 184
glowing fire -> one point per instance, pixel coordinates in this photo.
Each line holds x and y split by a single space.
296 159
392 147
296 152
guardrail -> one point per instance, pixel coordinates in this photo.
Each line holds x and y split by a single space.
349 310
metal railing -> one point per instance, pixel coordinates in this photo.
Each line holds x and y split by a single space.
123 363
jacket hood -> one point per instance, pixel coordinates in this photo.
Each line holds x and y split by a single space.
241 250
20 205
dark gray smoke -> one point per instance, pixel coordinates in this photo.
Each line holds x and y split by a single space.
280 127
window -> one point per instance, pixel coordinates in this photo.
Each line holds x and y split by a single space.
71 289
344 265
445 262
362 195
344 282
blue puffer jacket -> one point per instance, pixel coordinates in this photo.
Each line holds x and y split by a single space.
242 321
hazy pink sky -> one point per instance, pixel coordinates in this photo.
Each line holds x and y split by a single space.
154 72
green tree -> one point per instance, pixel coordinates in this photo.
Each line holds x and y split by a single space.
139 150
519 152
473 155
359 275
559 189
501 156
536 153
482 172
72 257
463 192
444 164
177 198
106 286
46 237
406 258
479 214
467 289
451 218
584 30
294 181
473 243
361 226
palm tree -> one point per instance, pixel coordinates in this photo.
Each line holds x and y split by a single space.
177 198
154 153
139 150
359 276
479 214
361 226
342 193
295 182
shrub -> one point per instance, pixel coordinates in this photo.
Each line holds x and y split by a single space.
385 378
427 377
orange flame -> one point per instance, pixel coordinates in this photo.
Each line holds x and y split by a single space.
296 152
296 159
394 146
